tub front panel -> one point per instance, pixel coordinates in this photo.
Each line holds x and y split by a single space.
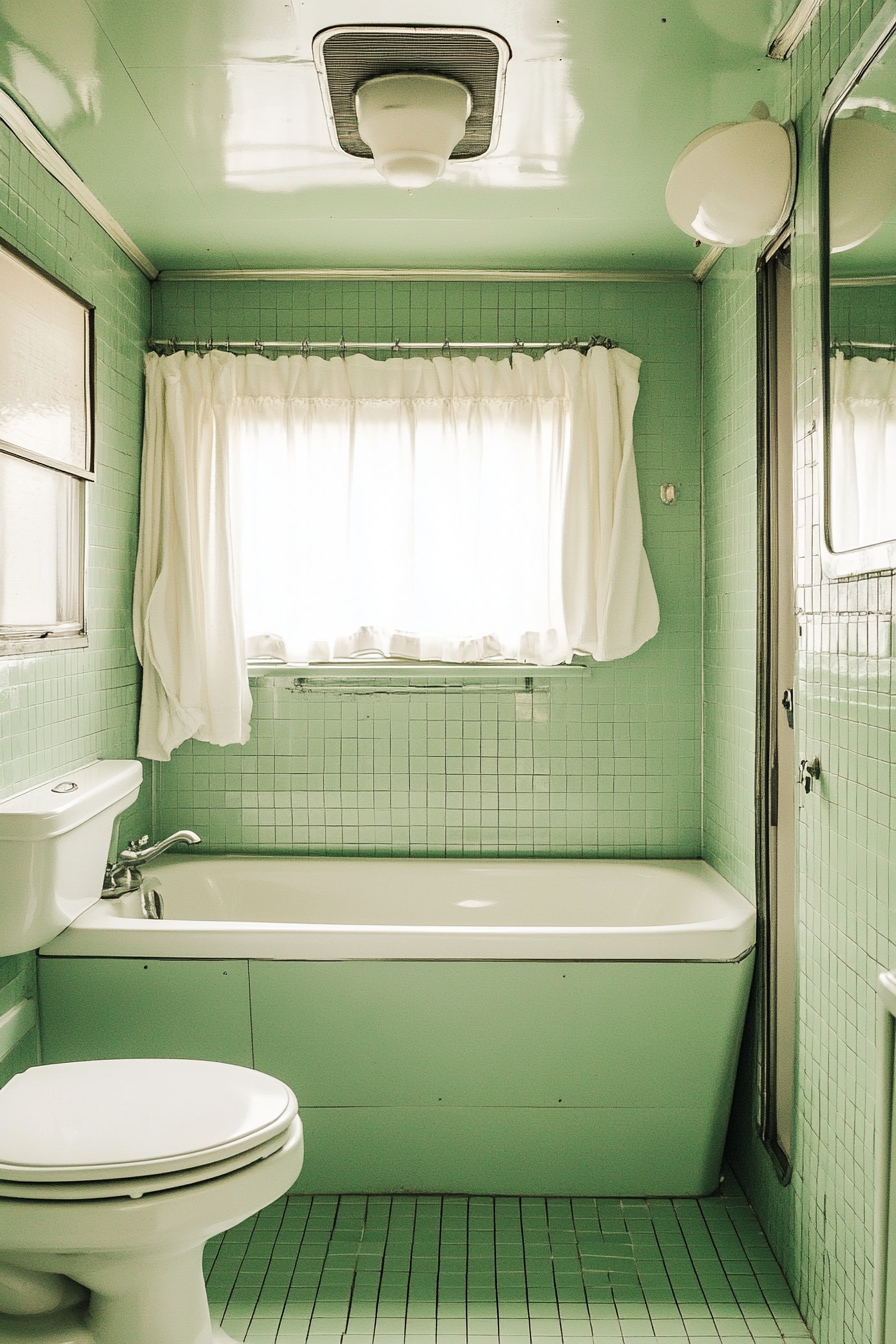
507 1150
137 1008
590 1078
410 1033
600 1078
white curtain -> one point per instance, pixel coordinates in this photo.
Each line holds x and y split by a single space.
187 614
862 483
441 509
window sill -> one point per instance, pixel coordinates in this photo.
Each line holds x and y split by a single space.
26 644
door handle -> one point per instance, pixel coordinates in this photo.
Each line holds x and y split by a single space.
787 702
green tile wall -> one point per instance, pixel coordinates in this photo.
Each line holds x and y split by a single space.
605 762
820 1225
729 639
863 313
69 707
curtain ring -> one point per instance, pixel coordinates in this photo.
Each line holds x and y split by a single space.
172 345
446 349
342 347
518 348
396 347
306 349
259 347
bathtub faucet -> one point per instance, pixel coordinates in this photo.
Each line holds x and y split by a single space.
124 874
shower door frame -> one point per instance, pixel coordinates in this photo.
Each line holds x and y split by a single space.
775 754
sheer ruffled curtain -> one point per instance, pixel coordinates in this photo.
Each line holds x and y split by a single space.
438 509
187 610
862 486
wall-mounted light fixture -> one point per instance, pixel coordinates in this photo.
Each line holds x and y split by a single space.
735 182
861 179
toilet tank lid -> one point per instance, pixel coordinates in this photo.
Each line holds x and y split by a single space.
108 1119
68 800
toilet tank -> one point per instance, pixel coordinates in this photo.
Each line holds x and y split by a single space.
54 842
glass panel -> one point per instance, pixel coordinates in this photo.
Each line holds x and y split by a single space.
861 457
44 386
41 513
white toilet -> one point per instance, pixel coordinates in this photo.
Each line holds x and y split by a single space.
114 1173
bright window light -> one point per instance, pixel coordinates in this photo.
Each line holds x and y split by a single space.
419 530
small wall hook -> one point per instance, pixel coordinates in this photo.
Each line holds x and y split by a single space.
809 770
668 493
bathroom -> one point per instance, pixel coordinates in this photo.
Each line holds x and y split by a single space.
649 757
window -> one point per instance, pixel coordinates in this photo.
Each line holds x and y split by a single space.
46 446
310 510
423 528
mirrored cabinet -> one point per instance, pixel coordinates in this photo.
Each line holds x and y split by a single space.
859 241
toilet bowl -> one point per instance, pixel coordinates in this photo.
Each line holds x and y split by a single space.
113 1175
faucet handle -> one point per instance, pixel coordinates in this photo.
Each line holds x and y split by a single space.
138 844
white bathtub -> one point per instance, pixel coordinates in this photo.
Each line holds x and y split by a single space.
495 1027
324 909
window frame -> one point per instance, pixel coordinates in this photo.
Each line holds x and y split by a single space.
26 639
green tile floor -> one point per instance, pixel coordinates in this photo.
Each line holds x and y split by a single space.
441 1270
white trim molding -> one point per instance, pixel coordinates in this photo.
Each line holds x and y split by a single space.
706 263
791 33
25 131
397 273
15 1024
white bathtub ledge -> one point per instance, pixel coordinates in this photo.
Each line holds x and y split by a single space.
516 896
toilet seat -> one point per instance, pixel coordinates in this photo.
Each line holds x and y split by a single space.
137 1186
101 1129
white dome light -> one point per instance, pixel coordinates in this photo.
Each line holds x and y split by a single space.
412 123
735 182
862 180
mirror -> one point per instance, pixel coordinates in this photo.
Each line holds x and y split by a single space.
859 206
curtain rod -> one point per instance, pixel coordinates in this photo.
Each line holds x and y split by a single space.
867 345
202 347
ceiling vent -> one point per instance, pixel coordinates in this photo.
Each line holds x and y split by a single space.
347 57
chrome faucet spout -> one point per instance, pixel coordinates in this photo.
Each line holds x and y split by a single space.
138 851
124 874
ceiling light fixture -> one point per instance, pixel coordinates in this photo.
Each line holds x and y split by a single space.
735 182
424 93
412 122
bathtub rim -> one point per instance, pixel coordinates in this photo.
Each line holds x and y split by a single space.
101 931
